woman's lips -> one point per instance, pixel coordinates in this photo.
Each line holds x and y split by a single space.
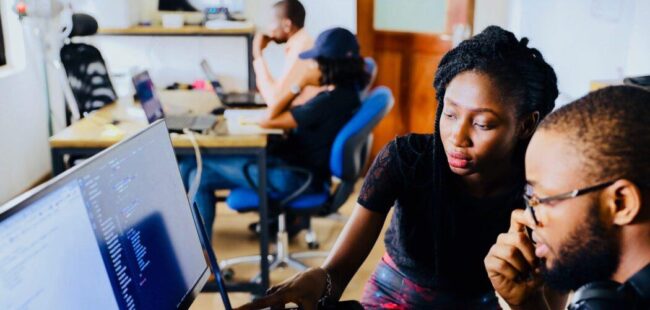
458 160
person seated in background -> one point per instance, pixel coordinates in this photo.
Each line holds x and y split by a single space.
312 126
286 27
588 206
452 190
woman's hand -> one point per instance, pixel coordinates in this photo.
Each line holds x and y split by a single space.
304 289
512 266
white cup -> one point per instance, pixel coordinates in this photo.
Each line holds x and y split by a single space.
172 20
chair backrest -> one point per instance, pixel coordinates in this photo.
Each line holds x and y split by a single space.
371 68
85 68
350 148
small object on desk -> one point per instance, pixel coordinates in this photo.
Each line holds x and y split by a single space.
218 111
639 81
598 84
246 122
172 20
112 131
181 86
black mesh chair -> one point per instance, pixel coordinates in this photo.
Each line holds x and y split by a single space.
85 68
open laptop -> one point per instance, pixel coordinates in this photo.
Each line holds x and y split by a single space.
115 232
153 109
231 100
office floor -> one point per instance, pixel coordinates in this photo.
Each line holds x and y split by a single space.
231 238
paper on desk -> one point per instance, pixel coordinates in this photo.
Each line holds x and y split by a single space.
245 122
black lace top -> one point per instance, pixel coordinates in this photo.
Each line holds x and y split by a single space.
402 176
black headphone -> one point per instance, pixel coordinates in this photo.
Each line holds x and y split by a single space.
633 294
599 295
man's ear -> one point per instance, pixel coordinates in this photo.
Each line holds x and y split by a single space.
286 25
623 199
528 125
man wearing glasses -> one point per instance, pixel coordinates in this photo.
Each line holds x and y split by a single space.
586 227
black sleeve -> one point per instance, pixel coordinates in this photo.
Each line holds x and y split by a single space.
313 111
383 181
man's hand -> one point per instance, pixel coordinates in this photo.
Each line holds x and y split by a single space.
512 266
260 42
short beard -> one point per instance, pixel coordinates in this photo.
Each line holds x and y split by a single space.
591 253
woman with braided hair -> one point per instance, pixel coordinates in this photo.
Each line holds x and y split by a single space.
452 191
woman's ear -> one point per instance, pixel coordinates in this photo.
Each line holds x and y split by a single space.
528 125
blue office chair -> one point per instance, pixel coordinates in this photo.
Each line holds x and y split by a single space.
347 160
371 68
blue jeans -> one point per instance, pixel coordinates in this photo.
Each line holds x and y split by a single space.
227 172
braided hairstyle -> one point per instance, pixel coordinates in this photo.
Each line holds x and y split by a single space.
522 79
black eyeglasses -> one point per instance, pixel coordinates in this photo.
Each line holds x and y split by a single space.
533 201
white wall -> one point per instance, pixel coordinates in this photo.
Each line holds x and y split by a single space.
176 59
491 12
24 151
584 40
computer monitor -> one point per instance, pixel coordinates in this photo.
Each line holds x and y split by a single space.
176 5
3 52
115 232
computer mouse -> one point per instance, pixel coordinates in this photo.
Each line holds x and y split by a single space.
218 111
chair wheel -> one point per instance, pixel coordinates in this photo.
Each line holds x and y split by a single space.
228 274
313 245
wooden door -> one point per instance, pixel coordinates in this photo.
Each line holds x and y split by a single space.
407 62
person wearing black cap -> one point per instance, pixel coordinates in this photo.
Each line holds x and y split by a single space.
315 124
312 126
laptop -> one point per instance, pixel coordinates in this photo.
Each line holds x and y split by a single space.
231 100
153 109
115 232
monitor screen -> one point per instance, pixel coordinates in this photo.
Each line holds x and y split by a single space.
116 232
146 93
3 52
175 5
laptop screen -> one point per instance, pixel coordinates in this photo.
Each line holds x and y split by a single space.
146 93
214 81
115 232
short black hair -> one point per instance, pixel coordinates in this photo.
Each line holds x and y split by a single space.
294 11
522 78
346 72
610 128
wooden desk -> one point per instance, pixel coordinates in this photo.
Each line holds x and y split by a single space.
183 31
115 122
245 32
